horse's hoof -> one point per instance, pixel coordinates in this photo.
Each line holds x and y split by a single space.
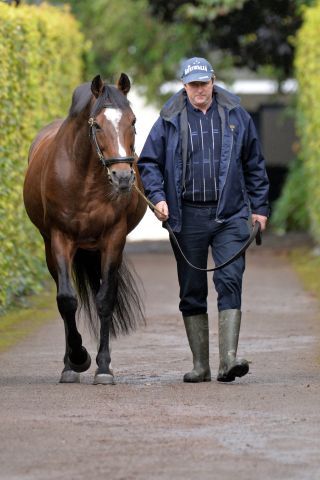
81 367
69 376
103 379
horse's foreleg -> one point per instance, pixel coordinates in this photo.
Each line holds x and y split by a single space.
68 375
105 302
76 357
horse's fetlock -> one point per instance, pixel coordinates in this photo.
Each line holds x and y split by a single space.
78 356
103 363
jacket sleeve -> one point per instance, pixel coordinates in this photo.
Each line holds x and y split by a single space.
151 163
255 175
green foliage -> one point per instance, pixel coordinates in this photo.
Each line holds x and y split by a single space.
126 37
290 210
208 10
148 38
255 33
306 262
40 64
308 116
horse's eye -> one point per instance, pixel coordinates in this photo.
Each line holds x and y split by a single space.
97 126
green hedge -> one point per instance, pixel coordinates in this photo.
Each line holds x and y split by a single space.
308 114
40 64
290 211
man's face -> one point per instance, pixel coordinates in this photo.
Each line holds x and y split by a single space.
200 93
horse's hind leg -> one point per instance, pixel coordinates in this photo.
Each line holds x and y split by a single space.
59 255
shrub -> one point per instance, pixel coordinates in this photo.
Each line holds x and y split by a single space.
290 210
307 64
40 64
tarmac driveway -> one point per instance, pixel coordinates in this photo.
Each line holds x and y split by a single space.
151 425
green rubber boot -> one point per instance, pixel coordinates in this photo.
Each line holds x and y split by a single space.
229 327
198 336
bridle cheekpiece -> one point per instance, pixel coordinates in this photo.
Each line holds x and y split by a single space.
106 162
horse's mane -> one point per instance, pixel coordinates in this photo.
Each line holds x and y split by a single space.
110 96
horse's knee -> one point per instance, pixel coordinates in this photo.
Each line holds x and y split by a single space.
67 303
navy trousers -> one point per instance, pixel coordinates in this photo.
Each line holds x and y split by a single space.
200 233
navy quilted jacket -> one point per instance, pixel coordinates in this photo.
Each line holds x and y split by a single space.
243 182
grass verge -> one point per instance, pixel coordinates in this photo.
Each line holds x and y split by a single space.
307 266
19 322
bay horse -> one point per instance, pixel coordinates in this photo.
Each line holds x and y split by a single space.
78 192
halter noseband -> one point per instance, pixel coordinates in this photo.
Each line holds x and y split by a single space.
106 162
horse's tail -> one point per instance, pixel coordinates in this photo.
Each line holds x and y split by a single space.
128 310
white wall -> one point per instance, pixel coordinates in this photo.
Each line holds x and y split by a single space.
150 228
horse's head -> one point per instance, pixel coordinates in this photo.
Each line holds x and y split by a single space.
112 131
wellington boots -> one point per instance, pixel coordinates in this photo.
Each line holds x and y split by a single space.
198 335
229 327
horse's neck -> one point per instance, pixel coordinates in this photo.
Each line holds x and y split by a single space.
85 165
82 151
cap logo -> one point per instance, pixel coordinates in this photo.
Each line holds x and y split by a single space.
190 68
196 70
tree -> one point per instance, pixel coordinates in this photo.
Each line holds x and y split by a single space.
148 38
255 33
126 37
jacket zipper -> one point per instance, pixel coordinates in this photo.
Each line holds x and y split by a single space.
232 127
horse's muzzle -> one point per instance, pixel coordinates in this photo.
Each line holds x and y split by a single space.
122 180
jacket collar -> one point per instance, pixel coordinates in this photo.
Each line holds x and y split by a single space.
177 102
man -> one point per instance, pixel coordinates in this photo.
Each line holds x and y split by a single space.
202 168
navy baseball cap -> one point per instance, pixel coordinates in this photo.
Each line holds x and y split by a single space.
196 69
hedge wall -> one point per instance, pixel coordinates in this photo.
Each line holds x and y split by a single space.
40 64
308 114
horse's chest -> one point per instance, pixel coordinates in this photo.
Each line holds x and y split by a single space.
89 222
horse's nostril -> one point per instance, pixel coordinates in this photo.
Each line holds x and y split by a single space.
123 179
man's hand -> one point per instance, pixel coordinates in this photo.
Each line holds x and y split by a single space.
260 218
162 212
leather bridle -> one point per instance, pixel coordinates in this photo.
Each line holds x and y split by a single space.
106 162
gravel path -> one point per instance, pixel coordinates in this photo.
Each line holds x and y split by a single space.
151 425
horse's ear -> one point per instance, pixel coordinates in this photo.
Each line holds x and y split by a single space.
97 86
124 84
